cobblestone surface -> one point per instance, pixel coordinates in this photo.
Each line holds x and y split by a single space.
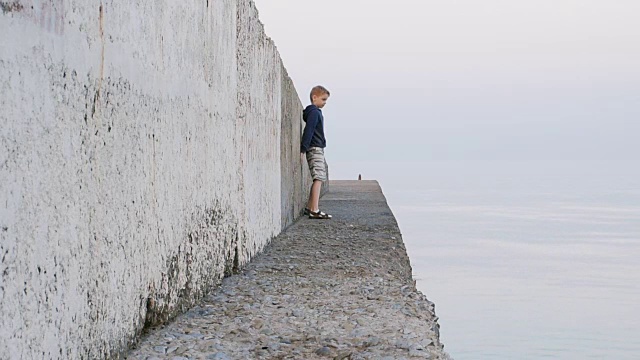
323 289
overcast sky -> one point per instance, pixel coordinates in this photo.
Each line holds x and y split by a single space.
467 79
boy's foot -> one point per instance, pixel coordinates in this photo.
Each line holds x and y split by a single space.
318 215
306 211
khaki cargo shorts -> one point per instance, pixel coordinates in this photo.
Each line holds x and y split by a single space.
317 166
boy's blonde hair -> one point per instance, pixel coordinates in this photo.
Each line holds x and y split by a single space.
318 91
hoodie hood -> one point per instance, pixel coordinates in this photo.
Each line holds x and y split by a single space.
308 110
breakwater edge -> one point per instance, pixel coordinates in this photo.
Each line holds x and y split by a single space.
338 289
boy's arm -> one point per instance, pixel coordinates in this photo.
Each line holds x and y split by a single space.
312 122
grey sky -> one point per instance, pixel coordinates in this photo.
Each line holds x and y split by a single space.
441 80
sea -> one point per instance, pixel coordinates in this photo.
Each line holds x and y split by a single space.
524 260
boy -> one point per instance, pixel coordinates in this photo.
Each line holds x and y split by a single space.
312 145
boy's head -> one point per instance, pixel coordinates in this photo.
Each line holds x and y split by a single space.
319 96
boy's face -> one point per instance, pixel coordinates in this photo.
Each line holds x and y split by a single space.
320 100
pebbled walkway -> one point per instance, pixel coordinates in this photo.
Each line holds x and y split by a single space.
323 289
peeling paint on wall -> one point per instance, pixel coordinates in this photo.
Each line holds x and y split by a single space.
8 7
49 15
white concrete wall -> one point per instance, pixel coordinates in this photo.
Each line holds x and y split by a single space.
146 149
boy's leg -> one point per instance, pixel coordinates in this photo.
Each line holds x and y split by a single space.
308 208
314 196
315 158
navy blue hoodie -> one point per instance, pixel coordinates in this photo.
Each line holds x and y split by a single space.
313 135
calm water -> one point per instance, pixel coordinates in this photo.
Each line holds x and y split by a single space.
523 261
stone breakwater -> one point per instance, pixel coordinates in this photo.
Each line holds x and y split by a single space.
338 289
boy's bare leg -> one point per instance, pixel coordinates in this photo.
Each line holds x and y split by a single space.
314 197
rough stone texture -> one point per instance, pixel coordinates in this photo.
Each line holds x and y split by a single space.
144 153
323 289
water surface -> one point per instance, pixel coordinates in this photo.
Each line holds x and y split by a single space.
523 260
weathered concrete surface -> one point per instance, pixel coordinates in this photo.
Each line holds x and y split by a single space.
145 151
338 289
